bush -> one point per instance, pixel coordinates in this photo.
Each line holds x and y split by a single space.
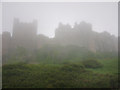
68 75
92 64
73 67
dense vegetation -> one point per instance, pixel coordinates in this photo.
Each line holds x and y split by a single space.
61 67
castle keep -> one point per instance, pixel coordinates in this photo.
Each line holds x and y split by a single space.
24 34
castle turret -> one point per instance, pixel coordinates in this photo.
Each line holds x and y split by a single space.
6 42
24 34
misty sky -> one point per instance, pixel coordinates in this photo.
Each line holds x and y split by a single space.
103 16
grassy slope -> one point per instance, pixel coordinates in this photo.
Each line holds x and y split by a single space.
51 75
110 66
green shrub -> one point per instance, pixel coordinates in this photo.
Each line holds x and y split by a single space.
68 75
92 64
73 67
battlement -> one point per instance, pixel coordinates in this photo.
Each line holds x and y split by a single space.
24 28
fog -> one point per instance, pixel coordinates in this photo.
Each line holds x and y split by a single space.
59 45
102 16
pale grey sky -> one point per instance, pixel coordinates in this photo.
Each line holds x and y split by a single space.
102 15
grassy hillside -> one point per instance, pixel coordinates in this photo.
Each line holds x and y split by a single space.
66 75
60 67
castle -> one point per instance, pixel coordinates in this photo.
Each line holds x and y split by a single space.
82 35
25 35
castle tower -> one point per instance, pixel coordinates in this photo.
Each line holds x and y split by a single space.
24 34
6 42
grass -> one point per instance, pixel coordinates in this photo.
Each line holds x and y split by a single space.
110 66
